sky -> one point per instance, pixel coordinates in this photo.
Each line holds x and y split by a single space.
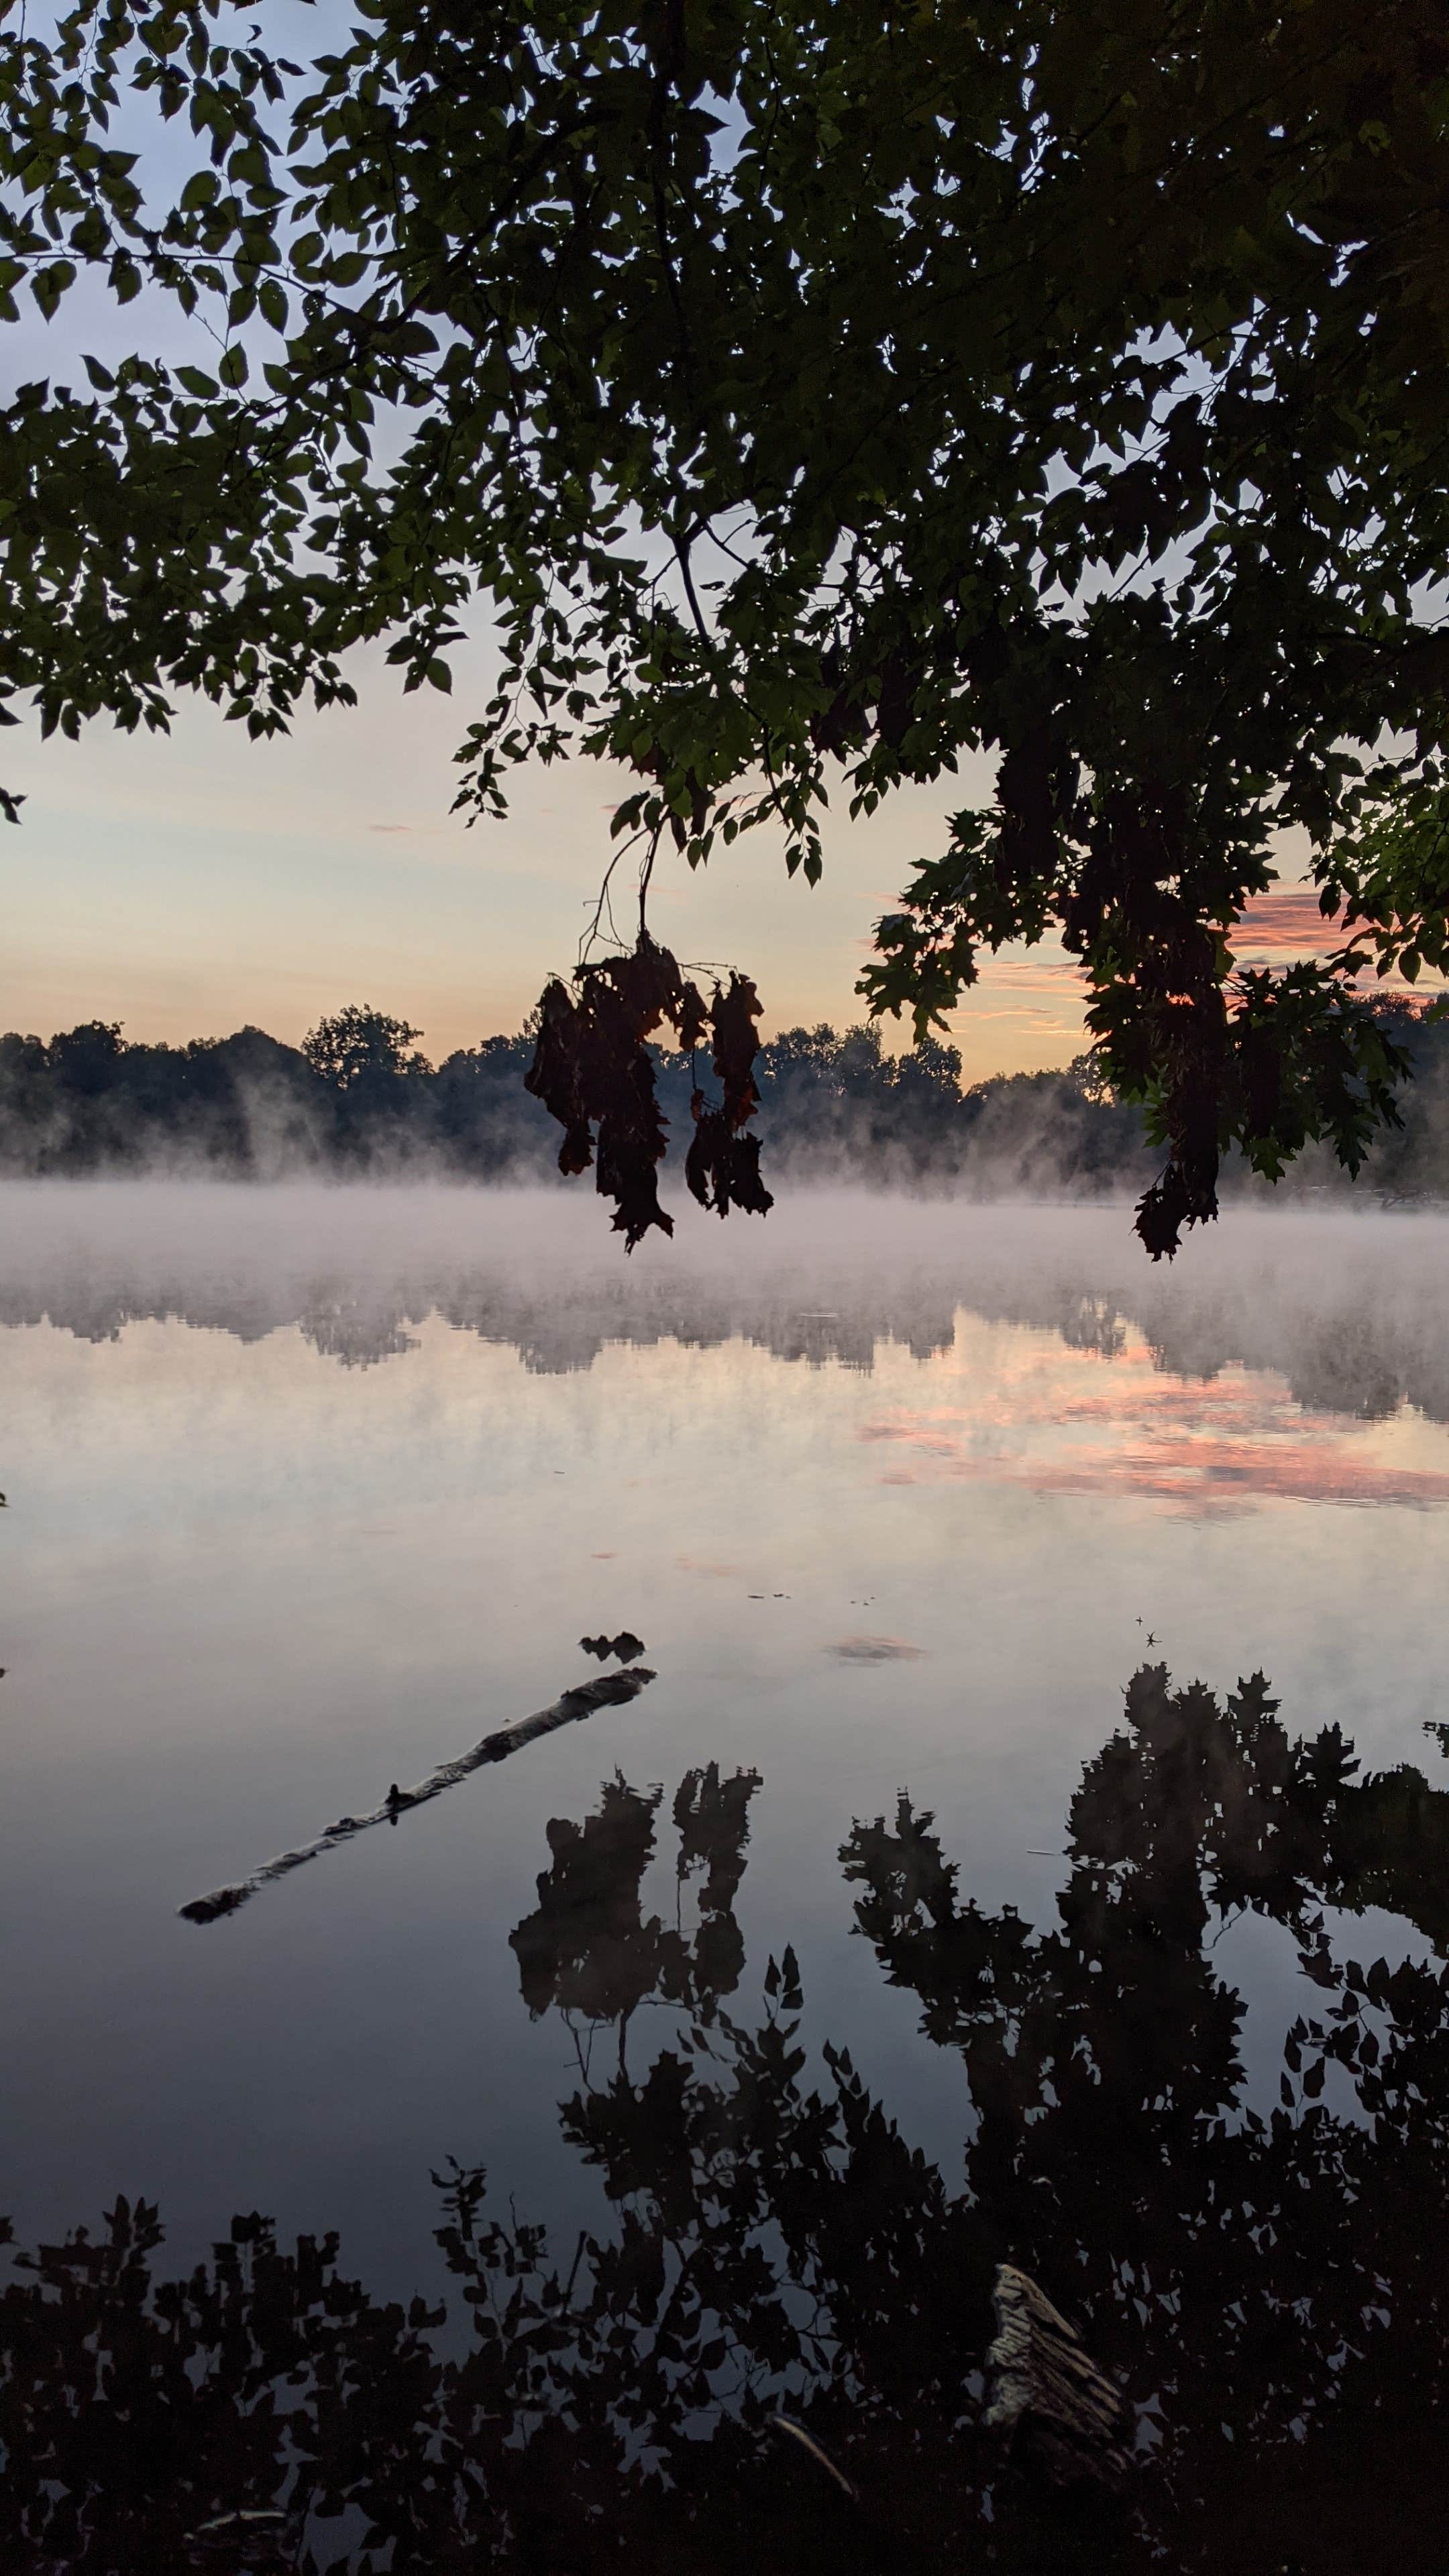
185 885
188 884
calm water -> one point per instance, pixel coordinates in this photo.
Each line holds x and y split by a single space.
309 1491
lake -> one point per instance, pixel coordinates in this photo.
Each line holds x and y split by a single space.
916 1916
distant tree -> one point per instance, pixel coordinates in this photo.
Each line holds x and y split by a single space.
86 1058
844 389
361 1042
1090 1078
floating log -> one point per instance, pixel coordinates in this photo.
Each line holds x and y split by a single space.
611 1690
1047 2388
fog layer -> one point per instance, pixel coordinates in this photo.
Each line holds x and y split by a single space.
1346 1307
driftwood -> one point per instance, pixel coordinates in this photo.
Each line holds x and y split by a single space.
611 1690
1047 2388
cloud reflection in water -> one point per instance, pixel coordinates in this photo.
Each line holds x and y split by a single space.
1063 1425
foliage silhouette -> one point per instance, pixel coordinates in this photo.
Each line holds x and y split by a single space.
803 402
1263 2283
1258 2283
362 1045
594 1072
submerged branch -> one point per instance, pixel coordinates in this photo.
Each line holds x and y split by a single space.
610 1690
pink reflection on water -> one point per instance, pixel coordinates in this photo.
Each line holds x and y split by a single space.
1069 1423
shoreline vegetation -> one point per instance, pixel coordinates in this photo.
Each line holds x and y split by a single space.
356 1100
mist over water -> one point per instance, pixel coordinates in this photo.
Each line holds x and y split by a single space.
310 1490
1342 1304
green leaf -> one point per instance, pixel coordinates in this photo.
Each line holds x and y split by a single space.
48 285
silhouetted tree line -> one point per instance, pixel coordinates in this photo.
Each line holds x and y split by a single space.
1265 2282
357 1097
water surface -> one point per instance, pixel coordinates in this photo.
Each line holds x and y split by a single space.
310 1490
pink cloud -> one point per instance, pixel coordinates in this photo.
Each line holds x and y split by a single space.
1285 923
1226 1445
1205 1475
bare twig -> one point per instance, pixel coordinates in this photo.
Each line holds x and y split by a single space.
645 873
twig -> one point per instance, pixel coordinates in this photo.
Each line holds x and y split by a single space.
611 1690
594 931
807 2442
645 873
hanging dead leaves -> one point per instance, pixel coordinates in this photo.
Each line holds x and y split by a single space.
593 1072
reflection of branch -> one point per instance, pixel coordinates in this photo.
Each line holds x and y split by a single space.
609 1691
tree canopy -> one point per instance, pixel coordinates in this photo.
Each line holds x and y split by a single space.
810 398
360 1044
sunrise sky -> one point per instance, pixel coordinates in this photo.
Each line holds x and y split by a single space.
185 886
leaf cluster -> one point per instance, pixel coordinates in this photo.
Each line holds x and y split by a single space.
827 398
594 1072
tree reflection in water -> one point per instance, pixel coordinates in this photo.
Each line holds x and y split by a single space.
588 1949
1268 2286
